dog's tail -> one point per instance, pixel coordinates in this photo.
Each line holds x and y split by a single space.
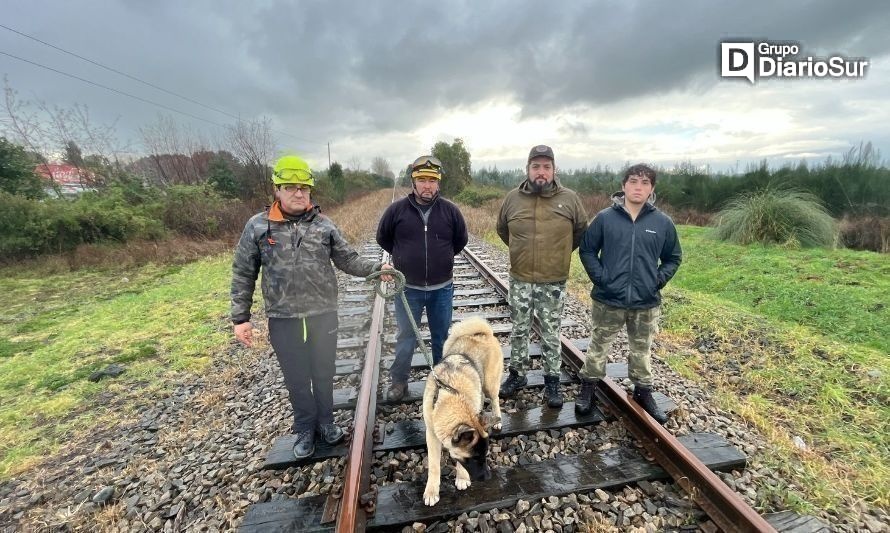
472 326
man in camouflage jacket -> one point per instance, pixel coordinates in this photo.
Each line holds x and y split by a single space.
293 245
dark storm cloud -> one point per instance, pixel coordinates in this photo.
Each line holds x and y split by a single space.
326 69
391 66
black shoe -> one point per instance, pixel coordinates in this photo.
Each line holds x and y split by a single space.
396 391
305 444
331 433
551 391
643 396
512 384
584 402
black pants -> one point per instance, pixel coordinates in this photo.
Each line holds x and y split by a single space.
306 351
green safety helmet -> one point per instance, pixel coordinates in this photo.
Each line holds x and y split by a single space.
292 169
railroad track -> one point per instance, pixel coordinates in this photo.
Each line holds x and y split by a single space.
369 498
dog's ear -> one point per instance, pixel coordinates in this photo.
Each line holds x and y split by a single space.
463 435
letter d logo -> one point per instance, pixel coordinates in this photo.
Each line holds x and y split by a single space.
737 60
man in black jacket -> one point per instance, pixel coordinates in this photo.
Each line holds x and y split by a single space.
423 232
630 251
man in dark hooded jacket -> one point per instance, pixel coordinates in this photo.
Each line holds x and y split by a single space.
630 251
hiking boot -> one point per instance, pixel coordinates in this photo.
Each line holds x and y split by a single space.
305 444
643 396
512 384
551 391
331 433
396 391
584 402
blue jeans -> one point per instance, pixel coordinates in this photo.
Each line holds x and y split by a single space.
438 312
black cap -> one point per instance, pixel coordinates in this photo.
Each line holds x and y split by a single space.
542 150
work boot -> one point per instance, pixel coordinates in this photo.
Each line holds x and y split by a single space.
584 402
396 391
513 382
331 433
305 444
643 396
551 391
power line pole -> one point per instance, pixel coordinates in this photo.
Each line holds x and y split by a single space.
329 155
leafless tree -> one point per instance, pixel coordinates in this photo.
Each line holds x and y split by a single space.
172 147
381 167
354 163
252 142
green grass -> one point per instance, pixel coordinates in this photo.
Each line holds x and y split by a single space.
57 329
797 342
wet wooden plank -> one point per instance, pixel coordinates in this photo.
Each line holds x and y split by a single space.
474 292
791 522
478 302
402 503
286 516
281 455
350 311
411 434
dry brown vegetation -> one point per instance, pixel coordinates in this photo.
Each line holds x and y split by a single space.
358 218
868 232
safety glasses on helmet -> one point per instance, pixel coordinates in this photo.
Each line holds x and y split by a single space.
426 161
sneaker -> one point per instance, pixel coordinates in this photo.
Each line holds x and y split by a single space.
305 444
643 396
512 384
551 391
396 391
331 433
585 402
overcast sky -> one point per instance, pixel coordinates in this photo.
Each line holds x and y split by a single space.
602 82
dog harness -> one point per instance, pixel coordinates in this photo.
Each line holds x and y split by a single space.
442 385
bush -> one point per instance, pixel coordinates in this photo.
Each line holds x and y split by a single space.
476 195
201 211
867 232
776 216
30 227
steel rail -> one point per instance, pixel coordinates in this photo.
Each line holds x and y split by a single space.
726 508
352 513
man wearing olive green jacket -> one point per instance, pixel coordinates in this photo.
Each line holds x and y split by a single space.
541 222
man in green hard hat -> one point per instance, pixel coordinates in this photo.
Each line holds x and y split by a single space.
293 245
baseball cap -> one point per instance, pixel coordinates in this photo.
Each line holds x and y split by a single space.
542 150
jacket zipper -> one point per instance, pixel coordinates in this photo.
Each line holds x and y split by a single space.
426 258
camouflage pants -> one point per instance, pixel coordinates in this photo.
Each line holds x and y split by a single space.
546 301
606 322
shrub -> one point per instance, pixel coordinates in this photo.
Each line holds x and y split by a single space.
867 232
476 195
776 216
200 211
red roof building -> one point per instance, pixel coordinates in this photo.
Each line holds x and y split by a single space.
70 179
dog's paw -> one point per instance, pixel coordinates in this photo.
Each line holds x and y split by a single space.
462 484
431 494
497 425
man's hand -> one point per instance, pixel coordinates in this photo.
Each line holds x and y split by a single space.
386 277
244 333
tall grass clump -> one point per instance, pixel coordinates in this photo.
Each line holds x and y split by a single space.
777 216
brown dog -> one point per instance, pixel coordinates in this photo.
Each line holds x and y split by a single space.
471 368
